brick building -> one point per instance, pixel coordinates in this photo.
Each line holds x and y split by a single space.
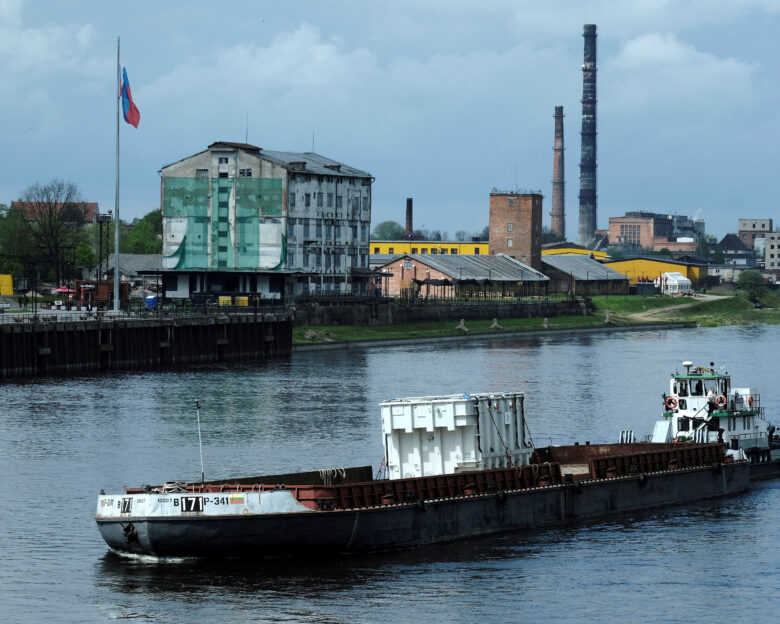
458 276
516 226
648 230
751 229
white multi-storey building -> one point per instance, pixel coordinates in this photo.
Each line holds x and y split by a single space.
239 219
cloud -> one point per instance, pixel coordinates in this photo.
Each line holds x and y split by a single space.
658 74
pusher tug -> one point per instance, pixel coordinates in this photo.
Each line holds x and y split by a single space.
457 466
703 406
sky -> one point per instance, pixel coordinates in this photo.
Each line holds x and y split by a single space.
440 100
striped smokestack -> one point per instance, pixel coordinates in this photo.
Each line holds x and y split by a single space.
587 226
558 216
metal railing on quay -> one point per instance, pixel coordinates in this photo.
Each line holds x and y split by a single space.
140 312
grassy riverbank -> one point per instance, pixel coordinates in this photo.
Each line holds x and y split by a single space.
712 311
622 310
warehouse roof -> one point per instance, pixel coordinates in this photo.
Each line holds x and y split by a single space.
582 267
494 268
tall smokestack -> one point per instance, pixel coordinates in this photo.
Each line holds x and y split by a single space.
587 225
558 216
409 229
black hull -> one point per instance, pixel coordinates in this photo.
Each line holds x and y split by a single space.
404 525
762 471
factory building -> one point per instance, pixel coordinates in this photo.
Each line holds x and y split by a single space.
649 230
241 219
751 229
447 277
516 225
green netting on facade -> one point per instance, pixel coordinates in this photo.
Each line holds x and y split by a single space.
186 197
256 197
235 243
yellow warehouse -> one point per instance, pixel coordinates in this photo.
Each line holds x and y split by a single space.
650 268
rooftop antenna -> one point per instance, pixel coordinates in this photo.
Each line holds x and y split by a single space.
200 444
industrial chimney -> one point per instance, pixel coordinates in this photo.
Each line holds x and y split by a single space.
587 226
409 229
558 216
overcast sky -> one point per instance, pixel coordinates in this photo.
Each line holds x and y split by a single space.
440 100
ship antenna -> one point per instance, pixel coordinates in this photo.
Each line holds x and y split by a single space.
200 444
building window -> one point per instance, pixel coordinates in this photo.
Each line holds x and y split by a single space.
365 203
510 227
424 250
363 231
391 250
444 251
476 251
353 229
318 231
305 228
244 173
454 251
414 250
511 201
223 174
434 250
319 200
407 264
290 258
307 200
338 202
330 200
355 202
509 242
292 199
223 160
376 250
201 173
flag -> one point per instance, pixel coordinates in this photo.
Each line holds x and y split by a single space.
129 109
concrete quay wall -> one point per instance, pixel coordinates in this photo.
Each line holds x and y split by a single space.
75 347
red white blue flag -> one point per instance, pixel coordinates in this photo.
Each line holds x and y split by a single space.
129 109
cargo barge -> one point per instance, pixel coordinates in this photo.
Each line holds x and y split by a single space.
456 466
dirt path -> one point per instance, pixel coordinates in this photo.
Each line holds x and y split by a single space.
652 315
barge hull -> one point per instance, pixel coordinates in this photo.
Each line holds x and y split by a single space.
395 526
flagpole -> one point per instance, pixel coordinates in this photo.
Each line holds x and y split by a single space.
116 199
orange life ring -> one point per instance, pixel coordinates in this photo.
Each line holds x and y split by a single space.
671 402
750 401
720 400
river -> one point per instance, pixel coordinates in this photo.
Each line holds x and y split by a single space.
62 440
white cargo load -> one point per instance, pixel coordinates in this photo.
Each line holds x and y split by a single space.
436 435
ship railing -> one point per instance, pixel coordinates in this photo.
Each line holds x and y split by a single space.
745 403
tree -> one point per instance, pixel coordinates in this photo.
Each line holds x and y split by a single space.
145 237
549 237
718 256
16 244
85 257
485 235
388 230
462 235
56 214
752 283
